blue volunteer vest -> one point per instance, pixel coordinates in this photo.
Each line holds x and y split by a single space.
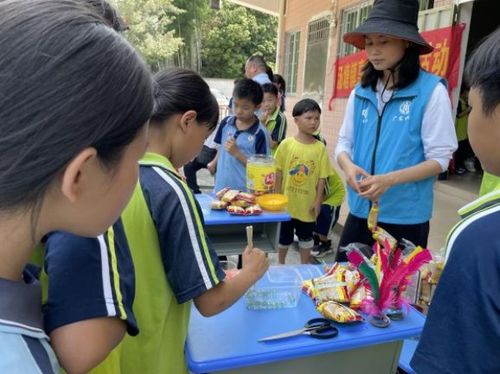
392 142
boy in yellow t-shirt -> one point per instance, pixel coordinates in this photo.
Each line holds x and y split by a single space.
302 165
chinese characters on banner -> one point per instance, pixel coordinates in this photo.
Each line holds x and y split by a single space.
443 61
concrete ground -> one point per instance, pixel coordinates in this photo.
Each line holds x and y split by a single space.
449 196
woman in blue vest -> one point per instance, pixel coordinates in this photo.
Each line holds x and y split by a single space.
398 130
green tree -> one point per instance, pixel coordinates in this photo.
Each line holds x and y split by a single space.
187 26
231 35
150 29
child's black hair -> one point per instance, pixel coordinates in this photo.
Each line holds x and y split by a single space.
408 70
305 105
249 90
280 81
269 72
482 71
179 90
270 88
68 82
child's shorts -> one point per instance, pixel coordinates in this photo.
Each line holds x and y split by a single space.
304 231
328 217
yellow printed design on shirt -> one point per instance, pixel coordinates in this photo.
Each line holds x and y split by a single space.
299 170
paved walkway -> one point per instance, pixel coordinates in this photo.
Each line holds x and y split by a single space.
449 196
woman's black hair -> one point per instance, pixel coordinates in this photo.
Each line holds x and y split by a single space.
280 81
305 105
179 90
68 82
270 88
482 71
408 70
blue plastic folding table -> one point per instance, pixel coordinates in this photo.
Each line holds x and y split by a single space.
227 232
227 343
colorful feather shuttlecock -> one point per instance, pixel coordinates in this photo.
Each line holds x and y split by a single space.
396 279
394 272
366 268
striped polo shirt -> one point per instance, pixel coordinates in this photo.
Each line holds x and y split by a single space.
174 263
462 330
24 347
276 124
86 278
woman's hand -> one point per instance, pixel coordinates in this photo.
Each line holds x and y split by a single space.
353 175
374 186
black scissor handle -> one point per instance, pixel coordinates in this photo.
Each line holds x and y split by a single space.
321 328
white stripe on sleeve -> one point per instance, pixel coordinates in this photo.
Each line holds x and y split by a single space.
189 222
106 279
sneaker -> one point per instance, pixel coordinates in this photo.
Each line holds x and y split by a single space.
460 171
469 165
322 250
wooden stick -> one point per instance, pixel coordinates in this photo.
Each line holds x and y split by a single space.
249 236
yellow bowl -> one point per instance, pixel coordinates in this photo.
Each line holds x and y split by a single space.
274 201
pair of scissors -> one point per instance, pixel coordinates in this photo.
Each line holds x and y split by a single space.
319 328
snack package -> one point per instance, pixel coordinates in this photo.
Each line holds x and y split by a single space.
357 295
242 203
309 290
338 312
253 210
329 288
340 283
380 235
236 210
218 205
221 193
248 197
230 195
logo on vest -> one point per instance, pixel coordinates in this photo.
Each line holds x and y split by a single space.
364 115
404 112
404 109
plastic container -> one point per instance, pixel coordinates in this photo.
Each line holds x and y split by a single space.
261 174
278 288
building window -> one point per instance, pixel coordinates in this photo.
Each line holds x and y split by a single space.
292 60
316 55
426 4
352 18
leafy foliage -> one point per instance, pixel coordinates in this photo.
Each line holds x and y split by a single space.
190 34
149 28
187 26
233 34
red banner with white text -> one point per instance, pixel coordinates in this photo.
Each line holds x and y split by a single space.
443 61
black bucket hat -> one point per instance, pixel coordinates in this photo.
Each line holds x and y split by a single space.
394 18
